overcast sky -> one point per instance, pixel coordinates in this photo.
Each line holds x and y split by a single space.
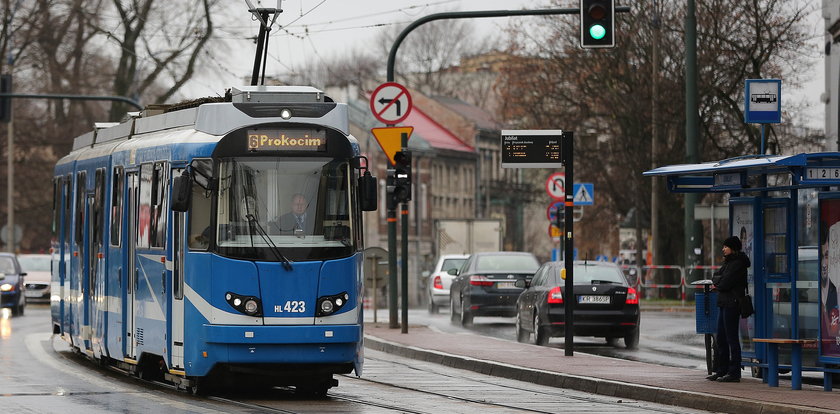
313 30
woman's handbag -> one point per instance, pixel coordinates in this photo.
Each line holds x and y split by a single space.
745 305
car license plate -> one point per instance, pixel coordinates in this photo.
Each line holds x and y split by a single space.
505 285
31 294
594 299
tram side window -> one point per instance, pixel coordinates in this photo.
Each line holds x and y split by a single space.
116 205
81 180
158 205
68 198
56 208
144 214
98 205
200 229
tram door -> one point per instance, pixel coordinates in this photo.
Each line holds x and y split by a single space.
178 245
89 269
133 182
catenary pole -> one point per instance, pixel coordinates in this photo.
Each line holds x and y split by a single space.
692 121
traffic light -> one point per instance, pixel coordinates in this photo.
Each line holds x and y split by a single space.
560 218
597 23
5 101
402 176
390 189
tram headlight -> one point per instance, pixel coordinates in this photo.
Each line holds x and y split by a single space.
249 305
328 305
5 287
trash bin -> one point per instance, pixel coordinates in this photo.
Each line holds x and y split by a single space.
706 311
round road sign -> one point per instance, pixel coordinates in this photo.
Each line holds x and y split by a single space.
555 186
390 103
555 233
551 211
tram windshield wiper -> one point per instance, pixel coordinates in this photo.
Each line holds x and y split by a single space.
287 264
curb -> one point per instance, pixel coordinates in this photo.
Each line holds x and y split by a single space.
688 399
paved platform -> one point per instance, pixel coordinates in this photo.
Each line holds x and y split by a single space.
600 375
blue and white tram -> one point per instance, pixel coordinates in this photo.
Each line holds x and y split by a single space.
172 258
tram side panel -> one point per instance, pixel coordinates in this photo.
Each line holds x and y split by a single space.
116 266
75 300
151 293
59 253
98 262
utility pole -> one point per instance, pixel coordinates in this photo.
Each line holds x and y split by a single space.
692 125
654 137
11 243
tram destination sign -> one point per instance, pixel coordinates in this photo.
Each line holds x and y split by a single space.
532 148
287 140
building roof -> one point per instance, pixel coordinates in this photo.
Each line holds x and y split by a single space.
432 132
482 119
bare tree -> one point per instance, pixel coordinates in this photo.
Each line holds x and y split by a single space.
357 67
68 47
159 42
605 95
429 51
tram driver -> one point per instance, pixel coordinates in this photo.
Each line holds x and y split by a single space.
299 221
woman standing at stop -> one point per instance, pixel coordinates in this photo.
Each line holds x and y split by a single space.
730 281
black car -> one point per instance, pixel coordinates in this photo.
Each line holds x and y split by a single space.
11 284
604 304
486 285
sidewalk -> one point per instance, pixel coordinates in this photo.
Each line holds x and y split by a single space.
599 375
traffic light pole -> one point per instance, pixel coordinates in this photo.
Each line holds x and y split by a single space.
392 260
398 191
569 295
404 255
405 195
392 55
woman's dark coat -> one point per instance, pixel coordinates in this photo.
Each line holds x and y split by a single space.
731 279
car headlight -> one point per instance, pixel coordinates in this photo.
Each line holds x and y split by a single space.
6 287
327 305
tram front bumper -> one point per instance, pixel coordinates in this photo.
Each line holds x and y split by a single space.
322 344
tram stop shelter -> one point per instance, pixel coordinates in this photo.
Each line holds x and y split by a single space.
786 210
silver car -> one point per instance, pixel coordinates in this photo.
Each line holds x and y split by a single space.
441 278
38 275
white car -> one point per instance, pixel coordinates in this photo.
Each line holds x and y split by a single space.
440 279
38 276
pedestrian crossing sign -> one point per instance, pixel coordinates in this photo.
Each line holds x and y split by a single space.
584 194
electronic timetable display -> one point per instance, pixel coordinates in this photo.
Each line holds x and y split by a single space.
532 148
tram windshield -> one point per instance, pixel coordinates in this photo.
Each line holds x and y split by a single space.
284 203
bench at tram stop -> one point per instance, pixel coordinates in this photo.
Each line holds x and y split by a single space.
771 376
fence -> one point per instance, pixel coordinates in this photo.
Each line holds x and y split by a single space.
665 281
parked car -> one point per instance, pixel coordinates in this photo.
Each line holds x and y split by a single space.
441 279
38 276
11 284
486 285
604 304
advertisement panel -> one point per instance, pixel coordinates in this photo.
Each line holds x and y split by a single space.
829 260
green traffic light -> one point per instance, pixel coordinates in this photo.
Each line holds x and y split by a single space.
597 31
